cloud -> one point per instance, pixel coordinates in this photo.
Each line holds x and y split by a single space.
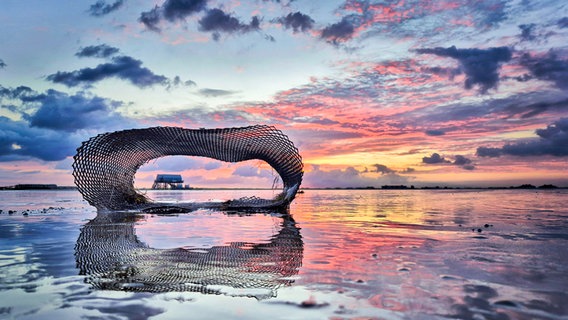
19 141
461 160
172 164
100 51
54 123
62 112
435 158
552 140
248 171
381 168
180 9
122 67
315 119
548 68
481 66
338 32
527 32
208 92
212 165
435 132
563 23
297 21
408 170
151 19
348 178
21 92
172 11
447 72
489 152
217 21
2 64
279 1
101 8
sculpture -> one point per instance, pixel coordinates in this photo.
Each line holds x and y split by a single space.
105 165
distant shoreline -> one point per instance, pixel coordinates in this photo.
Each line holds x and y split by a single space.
53 187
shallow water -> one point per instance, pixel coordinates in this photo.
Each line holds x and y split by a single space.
408 254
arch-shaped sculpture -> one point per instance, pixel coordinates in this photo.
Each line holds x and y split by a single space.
105 165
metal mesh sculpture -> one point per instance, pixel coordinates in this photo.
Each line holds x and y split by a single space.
105 165
111 256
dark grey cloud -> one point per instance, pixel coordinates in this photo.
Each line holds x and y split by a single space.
2 64
99 51
529 110
434 159
21 92
217 21
435 132
208 92
381 168
527 32
19 141
101 8
171 10
62 112
522 105
551 141
489 152
297 21
563 23
180 9
447 72
548 68
481 66
151 19
122 67
54 123
338 32
460 160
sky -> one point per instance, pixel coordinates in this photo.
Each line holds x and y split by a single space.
415 92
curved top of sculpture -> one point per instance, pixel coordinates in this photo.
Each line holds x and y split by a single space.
105 165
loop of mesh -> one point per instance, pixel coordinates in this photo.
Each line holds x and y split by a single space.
105 165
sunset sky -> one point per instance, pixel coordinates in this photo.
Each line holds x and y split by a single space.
415 92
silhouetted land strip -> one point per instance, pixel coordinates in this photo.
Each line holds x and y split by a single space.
385 187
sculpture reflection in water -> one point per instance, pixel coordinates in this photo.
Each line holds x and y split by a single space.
110 255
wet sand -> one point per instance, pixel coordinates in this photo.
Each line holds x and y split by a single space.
396 254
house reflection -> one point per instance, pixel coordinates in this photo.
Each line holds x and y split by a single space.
112 257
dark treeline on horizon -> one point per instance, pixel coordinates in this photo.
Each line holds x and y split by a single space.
28 186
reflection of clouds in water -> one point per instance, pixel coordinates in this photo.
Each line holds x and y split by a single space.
111 255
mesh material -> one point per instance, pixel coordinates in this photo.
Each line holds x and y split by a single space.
111 256
105 165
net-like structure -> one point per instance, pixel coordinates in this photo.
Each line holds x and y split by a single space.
112 257
105 165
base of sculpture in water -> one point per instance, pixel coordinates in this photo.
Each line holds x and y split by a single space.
105 165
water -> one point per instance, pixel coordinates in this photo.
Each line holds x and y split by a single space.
343 254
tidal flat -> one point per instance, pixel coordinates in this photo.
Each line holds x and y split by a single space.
337 254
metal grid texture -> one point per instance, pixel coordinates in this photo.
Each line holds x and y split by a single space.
112 257
105 165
